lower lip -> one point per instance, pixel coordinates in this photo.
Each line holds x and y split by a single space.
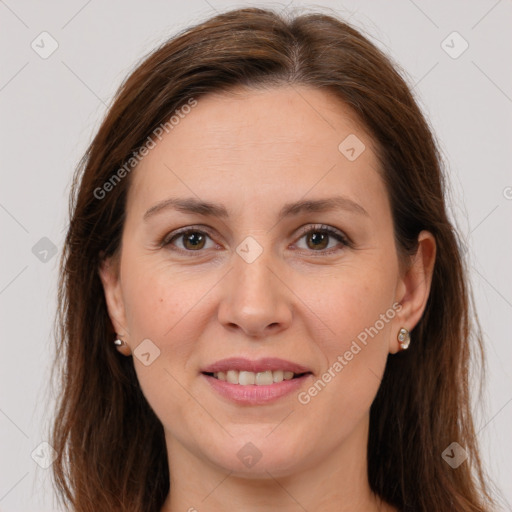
256 395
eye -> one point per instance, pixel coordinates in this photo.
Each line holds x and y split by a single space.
318 238
190 239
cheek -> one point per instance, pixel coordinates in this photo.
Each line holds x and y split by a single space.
358 310
348 302
163 306
157 299
171 309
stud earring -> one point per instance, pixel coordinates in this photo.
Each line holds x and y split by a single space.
122 346
404 338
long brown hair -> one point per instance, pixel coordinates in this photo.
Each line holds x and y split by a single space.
110 444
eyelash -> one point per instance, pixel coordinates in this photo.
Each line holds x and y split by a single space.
317 228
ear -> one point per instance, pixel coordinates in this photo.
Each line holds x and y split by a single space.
109 275
414 288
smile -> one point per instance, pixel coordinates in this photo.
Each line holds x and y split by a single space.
257 394
245 378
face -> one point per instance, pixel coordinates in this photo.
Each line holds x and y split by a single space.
292 258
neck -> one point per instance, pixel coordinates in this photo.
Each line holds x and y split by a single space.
339 484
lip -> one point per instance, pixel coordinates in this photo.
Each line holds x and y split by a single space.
260 365
253 394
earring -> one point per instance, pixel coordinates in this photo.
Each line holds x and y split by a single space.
122 346
404 338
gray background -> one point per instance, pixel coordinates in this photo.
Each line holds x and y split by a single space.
50 109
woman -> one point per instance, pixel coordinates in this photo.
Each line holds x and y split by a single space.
263 303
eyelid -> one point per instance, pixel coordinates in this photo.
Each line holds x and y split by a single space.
307 228
303 230
166 240
329 230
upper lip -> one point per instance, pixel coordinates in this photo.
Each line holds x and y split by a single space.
258 365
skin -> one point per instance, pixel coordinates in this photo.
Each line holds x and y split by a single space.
254 151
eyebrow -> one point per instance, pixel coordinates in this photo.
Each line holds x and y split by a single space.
208 209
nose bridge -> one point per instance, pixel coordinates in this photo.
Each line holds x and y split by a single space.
252 270
255 299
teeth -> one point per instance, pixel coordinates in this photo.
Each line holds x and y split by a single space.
264 378
244 378
278 376
231 376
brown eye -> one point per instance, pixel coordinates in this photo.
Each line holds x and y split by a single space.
317 240
191 240
320 239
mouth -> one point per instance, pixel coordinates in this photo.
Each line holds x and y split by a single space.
247 378
248 382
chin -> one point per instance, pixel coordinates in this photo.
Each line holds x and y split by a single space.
257 456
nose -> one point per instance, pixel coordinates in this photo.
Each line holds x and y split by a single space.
255 298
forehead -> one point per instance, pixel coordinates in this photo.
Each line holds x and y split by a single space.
259 143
